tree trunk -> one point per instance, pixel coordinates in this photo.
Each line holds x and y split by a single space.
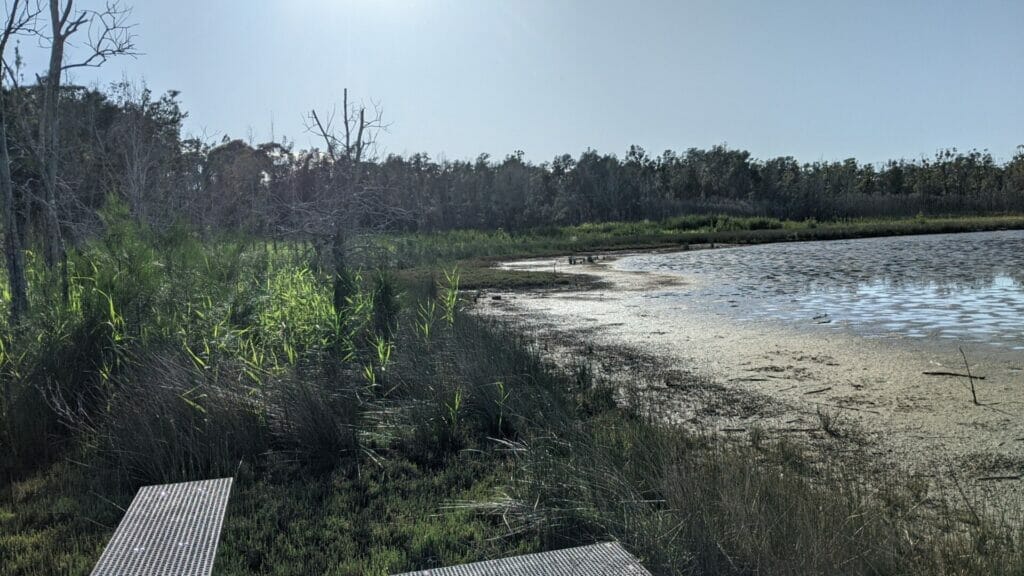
13 250
49 139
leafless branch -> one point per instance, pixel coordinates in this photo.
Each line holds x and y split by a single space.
109 33
358 121
22 16
323 130
970 377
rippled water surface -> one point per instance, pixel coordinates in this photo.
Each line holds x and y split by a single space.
954 286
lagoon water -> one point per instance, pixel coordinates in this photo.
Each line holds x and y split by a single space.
959 287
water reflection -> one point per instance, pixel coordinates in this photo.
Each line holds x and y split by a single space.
955 286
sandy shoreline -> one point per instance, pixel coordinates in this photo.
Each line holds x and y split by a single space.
785 375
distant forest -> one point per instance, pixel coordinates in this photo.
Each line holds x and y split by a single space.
128 143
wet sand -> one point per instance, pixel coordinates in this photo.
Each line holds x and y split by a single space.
779 377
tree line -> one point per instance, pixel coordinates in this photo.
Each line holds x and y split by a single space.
127 143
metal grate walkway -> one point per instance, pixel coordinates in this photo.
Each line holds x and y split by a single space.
608 559
169 529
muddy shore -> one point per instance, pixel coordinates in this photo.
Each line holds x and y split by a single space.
884 401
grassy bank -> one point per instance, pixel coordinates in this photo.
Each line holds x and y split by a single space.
373 427
413 250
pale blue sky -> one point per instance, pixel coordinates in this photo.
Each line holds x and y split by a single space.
813 79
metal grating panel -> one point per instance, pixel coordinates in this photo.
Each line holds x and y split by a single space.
596 560
169 529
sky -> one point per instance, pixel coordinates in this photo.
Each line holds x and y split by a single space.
817 80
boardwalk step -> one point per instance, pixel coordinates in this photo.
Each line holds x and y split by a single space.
168 529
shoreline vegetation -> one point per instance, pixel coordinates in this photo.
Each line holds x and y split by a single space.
373 425
416 256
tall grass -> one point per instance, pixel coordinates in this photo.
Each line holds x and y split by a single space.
375 427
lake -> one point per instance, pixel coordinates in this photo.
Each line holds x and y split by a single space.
956 287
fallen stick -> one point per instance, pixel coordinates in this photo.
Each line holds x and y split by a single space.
851 408
944 373
1008 477
818 391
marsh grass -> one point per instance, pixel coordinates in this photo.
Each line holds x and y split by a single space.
442 248
376 428
829 419
174 361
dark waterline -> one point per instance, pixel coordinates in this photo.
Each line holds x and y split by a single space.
967 287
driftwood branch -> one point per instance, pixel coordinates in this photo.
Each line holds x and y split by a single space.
970 377
945 373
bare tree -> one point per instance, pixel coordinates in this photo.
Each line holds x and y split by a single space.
21 17
355 123
108 34
351 205
141 145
